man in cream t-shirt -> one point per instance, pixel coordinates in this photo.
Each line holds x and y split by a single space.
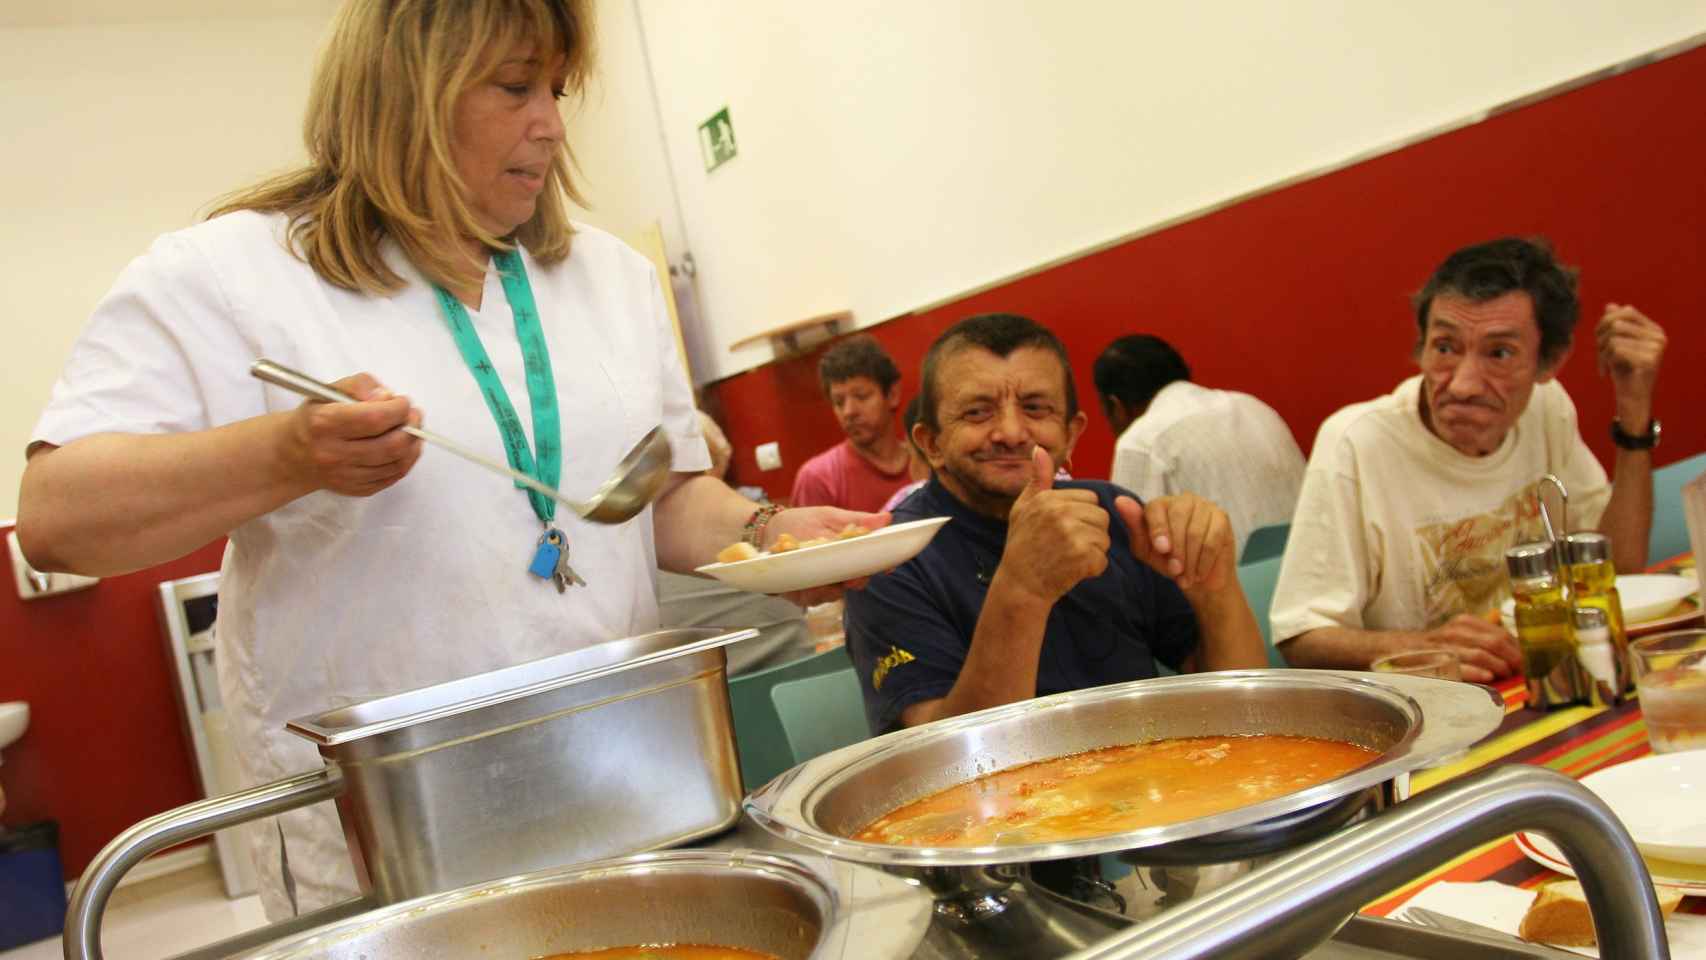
1410 500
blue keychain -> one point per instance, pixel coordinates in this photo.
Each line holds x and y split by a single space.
551 561
544 565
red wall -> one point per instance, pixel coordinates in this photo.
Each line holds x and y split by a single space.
1299 296
105 746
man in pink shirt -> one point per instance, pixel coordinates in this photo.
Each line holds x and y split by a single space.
861 472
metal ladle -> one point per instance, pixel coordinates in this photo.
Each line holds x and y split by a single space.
632 485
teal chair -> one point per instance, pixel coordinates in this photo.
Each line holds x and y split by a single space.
820 714
1670 527
1258 580
759 737
1265 542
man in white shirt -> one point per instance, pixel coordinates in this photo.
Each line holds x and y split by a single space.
1411 499
1175 436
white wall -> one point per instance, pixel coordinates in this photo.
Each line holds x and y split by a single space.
117 133
123 125
894 153
616 140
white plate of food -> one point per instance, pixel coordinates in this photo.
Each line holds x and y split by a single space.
1661 799
1645 597
788 567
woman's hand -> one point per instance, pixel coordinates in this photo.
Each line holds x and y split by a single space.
355 449
809 523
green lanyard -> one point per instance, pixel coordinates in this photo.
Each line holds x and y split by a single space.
541 386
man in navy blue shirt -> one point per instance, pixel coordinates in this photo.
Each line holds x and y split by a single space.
1036 586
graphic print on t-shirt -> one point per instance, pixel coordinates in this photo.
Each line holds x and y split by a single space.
1464 560
896 656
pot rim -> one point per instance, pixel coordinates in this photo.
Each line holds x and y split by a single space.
820 891
415 708
1447 716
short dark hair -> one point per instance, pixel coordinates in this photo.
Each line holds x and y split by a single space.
858 356
1000 334
1135 368
1487 271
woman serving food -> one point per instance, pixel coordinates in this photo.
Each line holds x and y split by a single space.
427 241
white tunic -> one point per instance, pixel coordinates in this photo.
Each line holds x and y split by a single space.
1227 447
333 599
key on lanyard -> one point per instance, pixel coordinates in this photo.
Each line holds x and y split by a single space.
551 560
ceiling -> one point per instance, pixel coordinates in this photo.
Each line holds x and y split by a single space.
71 13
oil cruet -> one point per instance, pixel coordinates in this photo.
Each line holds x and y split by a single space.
1545 622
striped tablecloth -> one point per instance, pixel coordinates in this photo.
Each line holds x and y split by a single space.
1575 741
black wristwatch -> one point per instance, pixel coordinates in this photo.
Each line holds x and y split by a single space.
1643 441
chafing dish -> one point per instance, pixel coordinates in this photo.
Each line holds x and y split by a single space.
734 899
618 748
986 897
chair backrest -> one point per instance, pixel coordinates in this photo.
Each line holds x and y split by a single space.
1258 580
1670 527
821 713
1265 542
759 737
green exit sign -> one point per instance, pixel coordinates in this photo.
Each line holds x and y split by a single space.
717 140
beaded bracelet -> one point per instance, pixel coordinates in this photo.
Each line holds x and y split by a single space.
753 532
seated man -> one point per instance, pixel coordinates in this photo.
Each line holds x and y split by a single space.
861 472
1411 499
1172 436
1037 586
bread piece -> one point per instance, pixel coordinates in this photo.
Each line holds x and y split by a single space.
1559 914
736 552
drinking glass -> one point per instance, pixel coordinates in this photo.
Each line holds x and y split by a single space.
1433 662
1670 676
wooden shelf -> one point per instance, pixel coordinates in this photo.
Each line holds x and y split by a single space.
797 338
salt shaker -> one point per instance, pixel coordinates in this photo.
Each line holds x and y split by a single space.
1594 580
1598 656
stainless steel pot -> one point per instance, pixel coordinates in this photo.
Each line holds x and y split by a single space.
734 899
986 897
618 748
1409 721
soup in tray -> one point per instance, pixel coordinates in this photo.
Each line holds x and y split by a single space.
674 951
1115 790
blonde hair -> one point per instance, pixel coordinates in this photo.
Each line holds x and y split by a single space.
378 130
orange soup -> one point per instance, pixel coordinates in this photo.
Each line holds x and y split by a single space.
1116 789
672 951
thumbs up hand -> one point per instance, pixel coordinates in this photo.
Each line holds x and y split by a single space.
1055 538
1185 538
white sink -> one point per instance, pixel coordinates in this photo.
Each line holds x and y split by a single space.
14 718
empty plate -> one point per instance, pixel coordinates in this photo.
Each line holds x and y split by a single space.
1661 799
1688 877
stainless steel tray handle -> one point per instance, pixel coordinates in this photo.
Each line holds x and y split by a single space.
101 877
1296 903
